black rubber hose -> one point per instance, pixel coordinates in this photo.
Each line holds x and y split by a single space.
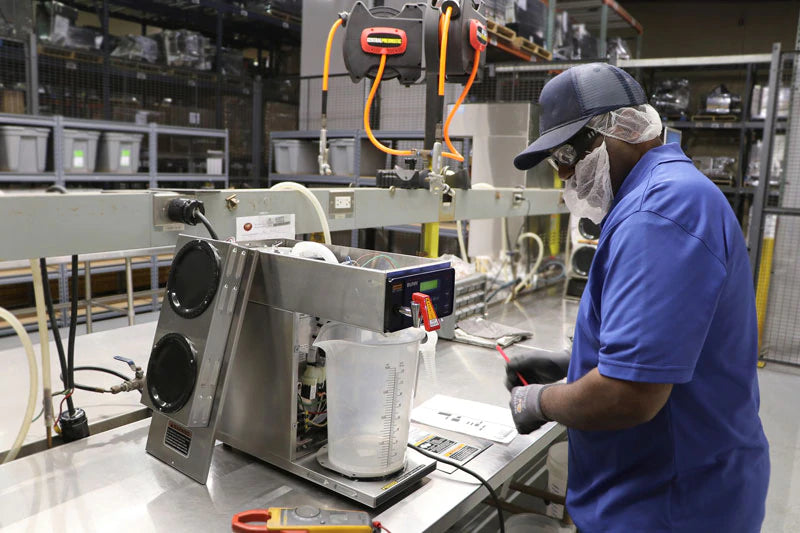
91 388
48 301
73 325
202 218
485 483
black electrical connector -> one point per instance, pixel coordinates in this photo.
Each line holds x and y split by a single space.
189 211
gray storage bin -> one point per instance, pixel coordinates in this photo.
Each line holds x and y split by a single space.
80 150
341 157
119 152
293 156
23 149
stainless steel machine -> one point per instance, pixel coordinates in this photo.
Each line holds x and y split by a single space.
235 340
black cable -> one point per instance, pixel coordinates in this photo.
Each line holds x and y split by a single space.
98 369
463 468
73 325
48 302
202 218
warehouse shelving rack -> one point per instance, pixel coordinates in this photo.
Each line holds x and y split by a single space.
528 79
355 179
153 178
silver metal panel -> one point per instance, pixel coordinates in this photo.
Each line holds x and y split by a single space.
741 59
99 222
219 341
260 415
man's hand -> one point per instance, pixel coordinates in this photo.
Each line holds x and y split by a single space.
537 366
526 408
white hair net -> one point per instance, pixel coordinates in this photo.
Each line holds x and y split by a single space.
633 125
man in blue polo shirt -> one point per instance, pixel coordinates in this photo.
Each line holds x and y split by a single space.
661 399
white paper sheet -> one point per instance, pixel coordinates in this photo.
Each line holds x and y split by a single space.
468 417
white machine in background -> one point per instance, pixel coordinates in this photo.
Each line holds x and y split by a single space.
582 244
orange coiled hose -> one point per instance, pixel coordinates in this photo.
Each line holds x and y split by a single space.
443 50
328 46
373 140
453 153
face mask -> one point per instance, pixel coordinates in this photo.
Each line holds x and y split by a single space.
588 192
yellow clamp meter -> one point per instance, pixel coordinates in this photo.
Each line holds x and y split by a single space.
303 519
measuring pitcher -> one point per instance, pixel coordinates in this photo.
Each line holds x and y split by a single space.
370 380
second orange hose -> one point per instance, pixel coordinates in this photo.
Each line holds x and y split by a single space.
373 140
453 153
443 51
326 65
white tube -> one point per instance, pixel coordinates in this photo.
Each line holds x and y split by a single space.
461 246
32 382
44 342
526 281
323 219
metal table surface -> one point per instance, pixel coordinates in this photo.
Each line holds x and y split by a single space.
108 481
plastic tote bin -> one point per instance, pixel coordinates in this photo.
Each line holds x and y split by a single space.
119 152
370 384
23 149
341 157
80 150
293 156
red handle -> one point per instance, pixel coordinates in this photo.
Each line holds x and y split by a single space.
499 349
240 522
429 318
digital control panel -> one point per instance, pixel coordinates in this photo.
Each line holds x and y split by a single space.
438 284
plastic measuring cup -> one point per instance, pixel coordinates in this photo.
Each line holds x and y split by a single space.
370 380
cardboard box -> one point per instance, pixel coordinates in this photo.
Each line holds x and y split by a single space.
12 101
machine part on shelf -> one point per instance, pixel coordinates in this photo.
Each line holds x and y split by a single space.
323 218
44 347
305 518
720 101
671 98
33 376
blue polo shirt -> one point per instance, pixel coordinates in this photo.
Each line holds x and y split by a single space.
670 299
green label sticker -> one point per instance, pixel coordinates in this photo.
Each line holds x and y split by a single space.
126 153
78 153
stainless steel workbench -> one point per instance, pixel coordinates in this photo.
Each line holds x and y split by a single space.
108 481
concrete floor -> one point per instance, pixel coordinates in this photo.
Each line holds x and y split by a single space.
780 401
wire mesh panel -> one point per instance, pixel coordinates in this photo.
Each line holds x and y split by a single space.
12 77
70 82
780 340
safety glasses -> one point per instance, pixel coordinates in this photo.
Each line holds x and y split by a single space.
569 153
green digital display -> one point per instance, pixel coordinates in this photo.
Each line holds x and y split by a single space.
428 285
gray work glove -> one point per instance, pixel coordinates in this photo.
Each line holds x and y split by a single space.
526 408
537 366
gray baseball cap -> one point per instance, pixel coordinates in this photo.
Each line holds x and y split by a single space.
571 99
